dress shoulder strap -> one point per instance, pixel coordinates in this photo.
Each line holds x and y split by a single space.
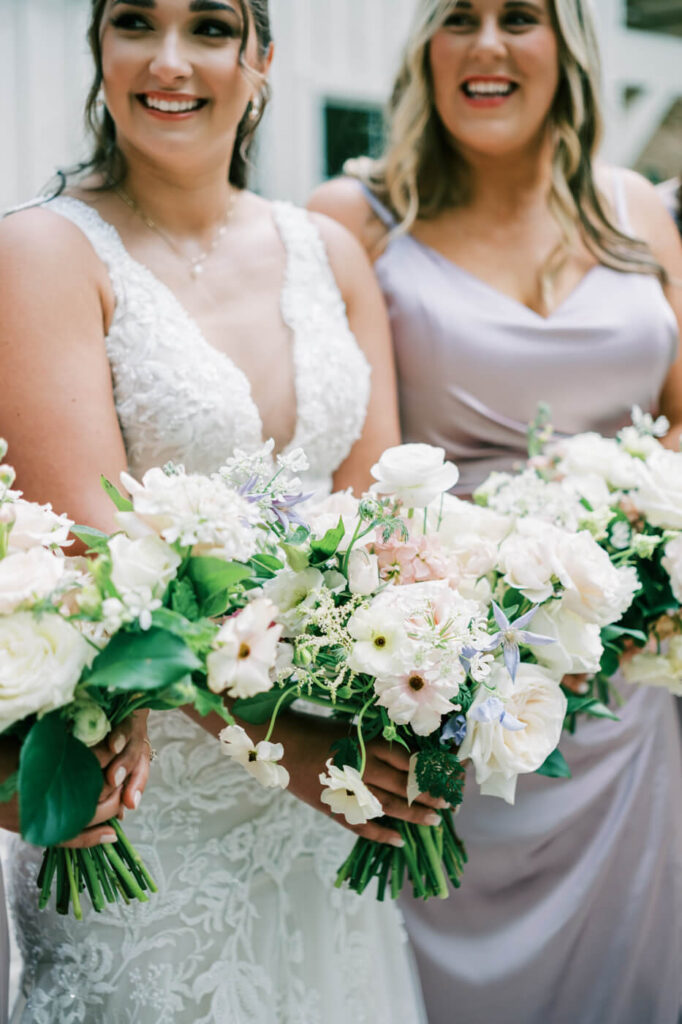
620 201
308 271
378 208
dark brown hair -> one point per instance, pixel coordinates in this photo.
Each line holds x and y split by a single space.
106 158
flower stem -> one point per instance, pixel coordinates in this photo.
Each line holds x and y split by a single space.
286 693
73 887
132 856
427 835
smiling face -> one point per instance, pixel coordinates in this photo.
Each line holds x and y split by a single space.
495 71
173 79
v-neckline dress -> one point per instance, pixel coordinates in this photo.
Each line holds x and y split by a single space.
570 910
247 927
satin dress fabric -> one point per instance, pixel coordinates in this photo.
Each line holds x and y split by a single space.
4 956
570 910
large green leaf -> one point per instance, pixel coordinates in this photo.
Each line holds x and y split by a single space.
265 566
215 582
323 549
60 782
555 767
151 660
258 710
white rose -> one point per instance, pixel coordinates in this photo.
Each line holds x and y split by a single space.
590 453
37 525
28 576
659 489
41 661
672 563
416 474
577 647
594 588
363 572
651 669
637 444
521 737
148 563
527 558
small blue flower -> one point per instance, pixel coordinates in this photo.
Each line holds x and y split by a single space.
493 710
454 729
510 635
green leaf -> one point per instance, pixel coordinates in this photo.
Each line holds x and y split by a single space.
296 557
215 583
346 751
589 706
183 600
610 661
9 787
610 633
555 767
440 773
259 709
198 635
206 703
60 782
135 662
323 549
265 566
121 503
94 540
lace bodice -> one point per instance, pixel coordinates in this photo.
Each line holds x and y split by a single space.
180 399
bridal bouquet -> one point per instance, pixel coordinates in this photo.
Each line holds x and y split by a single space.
85 642
440 626
627 492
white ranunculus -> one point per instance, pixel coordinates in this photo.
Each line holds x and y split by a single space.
672 563
259 759
528 559
41 661
145 563
521 737
37 525
594 588
416 474
28 576
363 572
577 648
591 453
658 494
246 650
651 669
345 793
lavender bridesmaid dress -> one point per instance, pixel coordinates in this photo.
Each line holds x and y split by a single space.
570 911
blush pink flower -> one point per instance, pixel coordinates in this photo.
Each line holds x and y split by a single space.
416 560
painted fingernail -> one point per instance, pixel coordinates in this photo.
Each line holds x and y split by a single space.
137 796
443 804
108 837
432 819
119 777
396 842
118 743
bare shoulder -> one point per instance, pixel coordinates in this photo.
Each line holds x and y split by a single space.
37 241
344 200
347 258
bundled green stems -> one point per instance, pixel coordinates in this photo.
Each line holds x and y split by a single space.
108 873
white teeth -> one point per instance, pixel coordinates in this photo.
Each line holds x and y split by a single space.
172 106
488 88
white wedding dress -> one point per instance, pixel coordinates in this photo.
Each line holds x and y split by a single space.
247 927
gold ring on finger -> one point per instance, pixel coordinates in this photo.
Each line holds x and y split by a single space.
153 754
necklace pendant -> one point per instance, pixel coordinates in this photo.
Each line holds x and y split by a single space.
196 271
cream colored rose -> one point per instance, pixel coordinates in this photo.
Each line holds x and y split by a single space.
672 563
590 453
577 646
147 563
527 558
658 494
416 474
595 589
28 576
37 525
41 661
514 731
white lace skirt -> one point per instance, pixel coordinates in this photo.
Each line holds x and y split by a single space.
246 929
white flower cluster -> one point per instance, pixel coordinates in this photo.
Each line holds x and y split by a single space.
198 512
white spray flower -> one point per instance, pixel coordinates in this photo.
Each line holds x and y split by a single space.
345 793
246 650
259 759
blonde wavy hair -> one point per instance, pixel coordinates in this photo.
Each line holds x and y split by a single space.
420 173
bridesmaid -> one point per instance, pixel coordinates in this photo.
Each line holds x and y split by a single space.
515 270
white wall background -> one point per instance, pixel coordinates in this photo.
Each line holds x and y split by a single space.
341 49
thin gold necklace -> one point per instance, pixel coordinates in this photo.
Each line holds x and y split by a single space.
196 263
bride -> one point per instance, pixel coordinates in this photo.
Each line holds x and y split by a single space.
155 311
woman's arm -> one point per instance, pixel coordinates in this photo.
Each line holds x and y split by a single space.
651 221
57 413
368 320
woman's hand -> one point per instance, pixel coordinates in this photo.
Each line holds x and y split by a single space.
307 741
125 756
